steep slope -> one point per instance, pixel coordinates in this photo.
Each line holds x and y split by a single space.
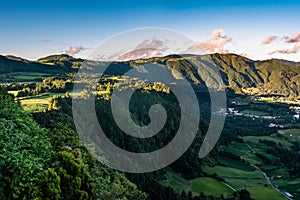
33 165
269 78
25 151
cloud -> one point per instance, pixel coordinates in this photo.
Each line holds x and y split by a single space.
145 49
74 50
215 44
269 40
293 50
292 39
295 38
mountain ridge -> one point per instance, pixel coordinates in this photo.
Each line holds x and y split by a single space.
273 77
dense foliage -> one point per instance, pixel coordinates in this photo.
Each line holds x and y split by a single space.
35 165
25 150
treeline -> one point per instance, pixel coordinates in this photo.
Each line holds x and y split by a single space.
52 84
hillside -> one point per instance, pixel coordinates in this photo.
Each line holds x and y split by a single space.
11 64
62 60
35 166
245 76
270 77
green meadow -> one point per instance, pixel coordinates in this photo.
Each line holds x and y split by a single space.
210 186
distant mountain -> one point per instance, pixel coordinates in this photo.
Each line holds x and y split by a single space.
270 77
9 64
62 60
13 64
15 58
58 57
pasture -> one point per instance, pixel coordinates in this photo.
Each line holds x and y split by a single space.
210 186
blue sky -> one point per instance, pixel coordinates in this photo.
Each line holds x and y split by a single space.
32 29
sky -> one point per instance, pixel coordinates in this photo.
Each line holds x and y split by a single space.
256 29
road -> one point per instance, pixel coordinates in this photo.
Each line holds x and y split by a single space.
266 176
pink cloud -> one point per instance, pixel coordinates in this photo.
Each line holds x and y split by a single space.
215 44
74 50
293 50
292 39
145 49
269 40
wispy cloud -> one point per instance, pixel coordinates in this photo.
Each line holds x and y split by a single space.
295 38
145 49
293 50
292 39
269 39
215 44
74 50
159 47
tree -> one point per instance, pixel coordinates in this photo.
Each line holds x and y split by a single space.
50 184
75 183
244 194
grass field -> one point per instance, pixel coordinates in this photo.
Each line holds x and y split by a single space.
175 181
242 150
254 182
27 76
280 171
210 186
280 100
241 101
38 103
291 186
256 139
13 92
35 104
228 172
233 151
255 112
239 146
237 178
266 193
252 158
274 159
235 164
292 134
